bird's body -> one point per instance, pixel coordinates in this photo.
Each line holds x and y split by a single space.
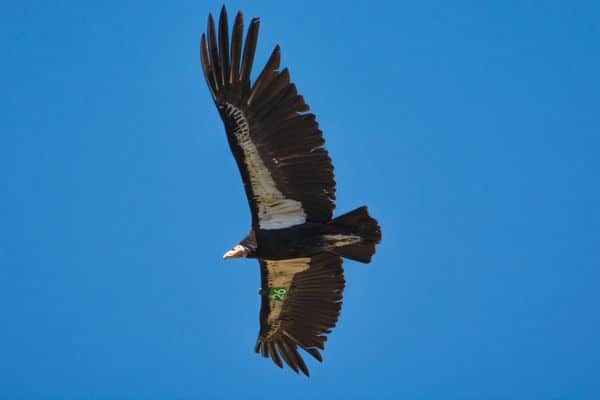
302 240
297 241
288 179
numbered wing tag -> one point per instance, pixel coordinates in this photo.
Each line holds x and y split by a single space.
277 294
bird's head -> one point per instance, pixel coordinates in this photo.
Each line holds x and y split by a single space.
238 251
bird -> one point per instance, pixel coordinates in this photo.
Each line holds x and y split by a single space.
288 178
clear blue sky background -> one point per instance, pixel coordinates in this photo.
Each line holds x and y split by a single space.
470 129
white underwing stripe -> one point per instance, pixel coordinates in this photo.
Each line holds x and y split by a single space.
274 210
340 240
280 275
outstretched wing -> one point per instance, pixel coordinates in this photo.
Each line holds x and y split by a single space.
287 174
301 302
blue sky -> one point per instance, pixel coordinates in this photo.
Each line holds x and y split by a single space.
470 129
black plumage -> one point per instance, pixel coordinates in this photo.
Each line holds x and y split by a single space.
288 179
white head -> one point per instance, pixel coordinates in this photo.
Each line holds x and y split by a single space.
238 251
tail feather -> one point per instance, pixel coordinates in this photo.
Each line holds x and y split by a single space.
358 222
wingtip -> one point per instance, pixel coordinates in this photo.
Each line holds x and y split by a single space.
210 24
223 23
223 13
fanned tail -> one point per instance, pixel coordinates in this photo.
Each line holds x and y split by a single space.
359 223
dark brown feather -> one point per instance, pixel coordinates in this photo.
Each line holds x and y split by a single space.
236 48
224 47
266 75
213 51
208 74
315 353
248 57
275 355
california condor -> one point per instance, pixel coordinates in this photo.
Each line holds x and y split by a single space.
288 178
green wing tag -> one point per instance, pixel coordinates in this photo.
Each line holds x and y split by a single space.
278 293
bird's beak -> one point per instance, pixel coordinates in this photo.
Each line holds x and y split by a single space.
237 252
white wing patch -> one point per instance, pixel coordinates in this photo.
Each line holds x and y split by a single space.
274 210
280 275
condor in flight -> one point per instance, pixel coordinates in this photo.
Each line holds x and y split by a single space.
288 178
